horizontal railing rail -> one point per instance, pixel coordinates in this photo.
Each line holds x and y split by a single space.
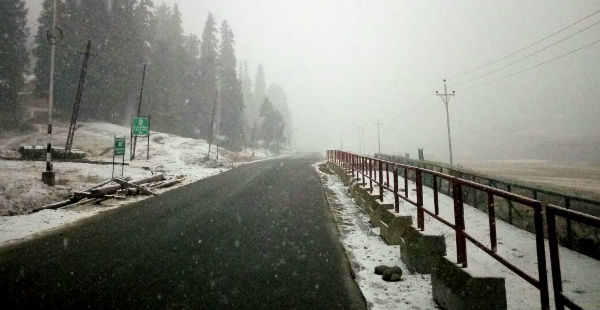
571 236
362 168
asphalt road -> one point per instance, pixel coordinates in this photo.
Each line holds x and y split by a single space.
257 237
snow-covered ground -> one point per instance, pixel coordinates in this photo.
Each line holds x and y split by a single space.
366 250
580 273
21 188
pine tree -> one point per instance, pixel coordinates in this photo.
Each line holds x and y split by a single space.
113 76
207 83
247 96
259 93
13 60
41 50
279 99
191 92
231 101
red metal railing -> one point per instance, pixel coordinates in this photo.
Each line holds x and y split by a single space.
551 212
361 167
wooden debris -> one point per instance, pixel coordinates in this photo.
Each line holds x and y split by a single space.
169 183
103 191
55 205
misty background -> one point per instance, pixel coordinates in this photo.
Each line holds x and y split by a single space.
346 64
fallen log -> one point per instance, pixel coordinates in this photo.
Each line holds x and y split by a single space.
55 205
139 188
80 202
168 183
101 190
111 189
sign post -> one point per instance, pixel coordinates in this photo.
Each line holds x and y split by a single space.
118 150
141 127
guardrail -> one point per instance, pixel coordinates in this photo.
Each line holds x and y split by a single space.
362 167
551 213
573 235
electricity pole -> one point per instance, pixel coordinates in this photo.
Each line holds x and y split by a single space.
378 136
359 129
139 109
446 98
48 175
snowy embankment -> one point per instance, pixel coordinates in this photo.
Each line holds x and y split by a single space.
365 250
21 188
579 272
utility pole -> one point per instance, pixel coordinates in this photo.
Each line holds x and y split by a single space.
446 99
139 109
48 176
360 139
212 121
74 114
218 116
378 136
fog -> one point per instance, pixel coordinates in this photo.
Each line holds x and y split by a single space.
347 64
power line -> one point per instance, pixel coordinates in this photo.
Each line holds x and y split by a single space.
526 47
532 67
529 55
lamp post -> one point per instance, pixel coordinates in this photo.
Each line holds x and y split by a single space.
446 99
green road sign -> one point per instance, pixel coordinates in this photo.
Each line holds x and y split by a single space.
140 126
119 147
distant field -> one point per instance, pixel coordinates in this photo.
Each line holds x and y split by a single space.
573 177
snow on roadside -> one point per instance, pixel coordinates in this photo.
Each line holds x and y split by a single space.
365 250
21 188
579 272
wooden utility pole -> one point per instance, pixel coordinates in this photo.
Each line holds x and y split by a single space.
138 113
446 99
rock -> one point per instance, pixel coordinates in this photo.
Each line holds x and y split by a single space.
381 269
392 274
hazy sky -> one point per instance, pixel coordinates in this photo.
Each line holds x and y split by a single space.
345 64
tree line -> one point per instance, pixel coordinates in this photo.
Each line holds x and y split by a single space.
190 83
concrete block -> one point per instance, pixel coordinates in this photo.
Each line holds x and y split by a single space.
459 288
375 209
393 227
421 252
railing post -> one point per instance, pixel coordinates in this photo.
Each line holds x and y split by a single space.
569 229
459 223
380 180
352 164
541 255
387 174
435 195
420 213
510 205
492 221
396 200
405 182
370 174
554 260
363 168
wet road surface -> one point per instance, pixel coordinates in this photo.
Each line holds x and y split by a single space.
258 236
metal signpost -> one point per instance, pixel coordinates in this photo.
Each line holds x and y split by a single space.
141 127
118 150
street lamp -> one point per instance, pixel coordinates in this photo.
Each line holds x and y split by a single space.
446 98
